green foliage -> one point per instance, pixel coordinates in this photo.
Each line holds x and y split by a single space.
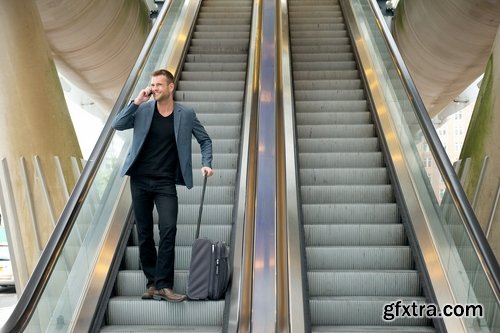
479 129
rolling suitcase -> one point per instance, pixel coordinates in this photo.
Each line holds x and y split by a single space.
209 271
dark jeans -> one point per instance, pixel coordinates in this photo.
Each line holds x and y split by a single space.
147 192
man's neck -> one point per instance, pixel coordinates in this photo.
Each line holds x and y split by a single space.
165 108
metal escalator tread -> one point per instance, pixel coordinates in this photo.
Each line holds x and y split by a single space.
357 254
212 81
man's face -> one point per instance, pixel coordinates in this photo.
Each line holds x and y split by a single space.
160 88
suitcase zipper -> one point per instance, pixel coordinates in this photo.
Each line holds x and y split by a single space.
216 277
211 281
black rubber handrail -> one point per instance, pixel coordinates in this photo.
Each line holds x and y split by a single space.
38 280
448 173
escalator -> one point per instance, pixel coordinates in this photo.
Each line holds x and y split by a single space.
357 254
361 247
89 278
212 81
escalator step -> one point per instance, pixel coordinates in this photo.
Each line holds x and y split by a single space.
347 194
350 213
358 283
336 131
133 282
125 310
160 329
331 106
344 176
319 118
372 329
359 257
186 232
328 84
354 234
340 159
201 86
182 256
325 145
360 311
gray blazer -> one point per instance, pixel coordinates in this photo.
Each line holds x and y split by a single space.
186 124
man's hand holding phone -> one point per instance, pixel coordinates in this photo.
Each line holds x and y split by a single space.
143 96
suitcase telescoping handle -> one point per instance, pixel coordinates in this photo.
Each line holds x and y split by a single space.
201 206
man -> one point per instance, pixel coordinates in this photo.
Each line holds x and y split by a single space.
160 158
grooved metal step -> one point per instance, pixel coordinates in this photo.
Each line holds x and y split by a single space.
355 234
341 176
331 213
340 159
364 310
347 194
317 118
186 233
131 282
329 85
330 106
357 254
324 145
203 86
141 312
340 130
212 81
182 256
358 257
372 329
374 283
160 329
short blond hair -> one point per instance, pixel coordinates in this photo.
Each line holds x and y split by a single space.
164 72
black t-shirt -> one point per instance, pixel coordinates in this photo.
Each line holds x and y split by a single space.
158 156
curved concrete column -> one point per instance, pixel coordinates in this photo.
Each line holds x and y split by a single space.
34 121
95 43
483 140
445 44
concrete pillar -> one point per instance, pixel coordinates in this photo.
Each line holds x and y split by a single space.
445 45
34 121
95 43
483 140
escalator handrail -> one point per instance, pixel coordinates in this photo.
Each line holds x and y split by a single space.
38 280
239 314
442 161
265 280
296 299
